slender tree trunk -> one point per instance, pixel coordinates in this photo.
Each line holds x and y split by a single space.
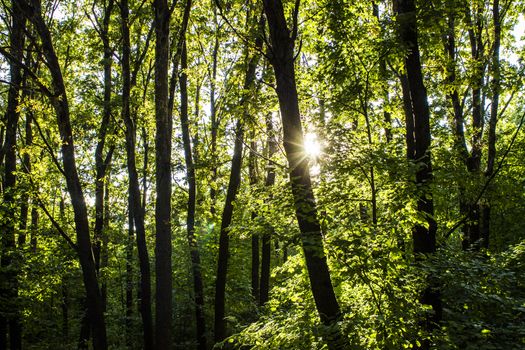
282 60
198 288
65 310
136 210
409 119
104 259
465 208
266 238
9 260
60 102
34 227
424 236
473 160
252 171
163 301
101 163
129 271
213 117
233 185
495 91
224 239
26 168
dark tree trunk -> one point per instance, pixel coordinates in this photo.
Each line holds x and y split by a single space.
136 210
252 171
477 52
8 256
24 200
60 103
213 117
85 329
233 186
472 227
266 238
495 90
466 208
34 227
282 60
101 162
65 310
409 119
224 239
129 272
104 259
163 300
198 288
424 237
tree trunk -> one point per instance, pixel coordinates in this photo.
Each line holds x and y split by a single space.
163 288
136 210
233 185
266 239
34 227
198 288
24 200
65 310
60 103
129 271
101 163
9 258
466 208
495 90
213 118
424 237
252 171
282 60
224 239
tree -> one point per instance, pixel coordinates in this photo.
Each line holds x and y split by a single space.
282 58
233 186
9 316
424 236
163 301
192 199
134 196
32 11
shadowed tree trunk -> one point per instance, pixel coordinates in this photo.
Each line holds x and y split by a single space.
198 289
101 161
424 236
10 320
266 238
224 239
252 171
213 115
495 90
282 59
129 272
58 97
134 200
233 185
163 287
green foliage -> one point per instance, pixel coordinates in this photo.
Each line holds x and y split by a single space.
348 66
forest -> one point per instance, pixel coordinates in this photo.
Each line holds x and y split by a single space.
262 174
